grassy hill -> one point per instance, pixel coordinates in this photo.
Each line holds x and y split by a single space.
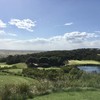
41 81
11 79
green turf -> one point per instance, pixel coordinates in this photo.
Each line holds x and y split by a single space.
5 65
82 95
82 62
20 65
10 79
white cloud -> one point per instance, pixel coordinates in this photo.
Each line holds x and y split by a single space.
23 24
2 24
72 40
97 31
68 24
12 34
3 33
79 36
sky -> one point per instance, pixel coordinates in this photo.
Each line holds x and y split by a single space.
49 24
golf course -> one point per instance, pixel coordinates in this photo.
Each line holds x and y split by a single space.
49 76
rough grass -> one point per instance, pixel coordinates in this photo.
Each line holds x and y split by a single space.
10 79
74 95
83 62
17 71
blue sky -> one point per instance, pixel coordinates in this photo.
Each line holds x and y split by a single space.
49 24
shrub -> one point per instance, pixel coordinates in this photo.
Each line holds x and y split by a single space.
16 92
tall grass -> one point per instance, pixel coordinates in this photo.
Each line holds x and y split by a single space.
25 91
50 81
16 92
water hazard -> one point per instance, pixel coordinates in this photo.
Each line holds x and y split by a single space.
90 69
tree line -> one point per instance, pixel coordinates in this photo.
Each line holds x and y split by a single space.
56 56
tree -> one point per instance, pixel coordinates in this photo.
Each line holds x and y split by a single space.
31 62
13 59
44 62
53 61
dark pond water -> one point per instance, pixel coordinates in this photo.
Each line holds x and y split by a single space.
90 69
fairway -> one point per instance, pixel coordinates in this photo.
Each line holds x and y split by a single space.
82 62
18 65
4 65
82 95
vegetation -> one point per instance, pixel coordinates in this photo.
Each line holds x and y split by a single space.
72 95
15 71
79 54
33 62
2 65
67 79
12 79
53 73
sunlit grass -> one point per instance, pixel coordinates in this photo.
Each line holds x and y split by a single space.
18 65
82 62
11 79
81 95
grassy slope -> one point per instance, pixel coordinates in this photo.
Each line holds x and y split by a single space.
82 95
5 65
14 70
5 78
10 79
18 65
82 62
19 68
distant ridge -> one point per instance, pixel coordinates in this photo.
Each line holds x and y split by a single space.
5 53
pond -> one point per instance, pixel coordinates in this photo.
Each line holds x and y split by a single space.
90 69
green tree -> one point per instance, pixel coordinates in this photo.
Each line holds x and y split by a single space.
31 62
43 60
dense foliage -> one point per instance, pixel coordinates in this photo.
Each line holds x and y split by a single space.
78 54
48 79
44 62
52 74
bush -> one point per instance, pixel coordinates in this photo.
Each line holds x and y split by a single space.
66 69
7 91
16 92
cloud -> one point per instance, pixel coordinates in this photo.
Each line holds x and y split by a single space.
68 24
79 36
71 40
12 34
97 31
23 24
3 33
2 24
